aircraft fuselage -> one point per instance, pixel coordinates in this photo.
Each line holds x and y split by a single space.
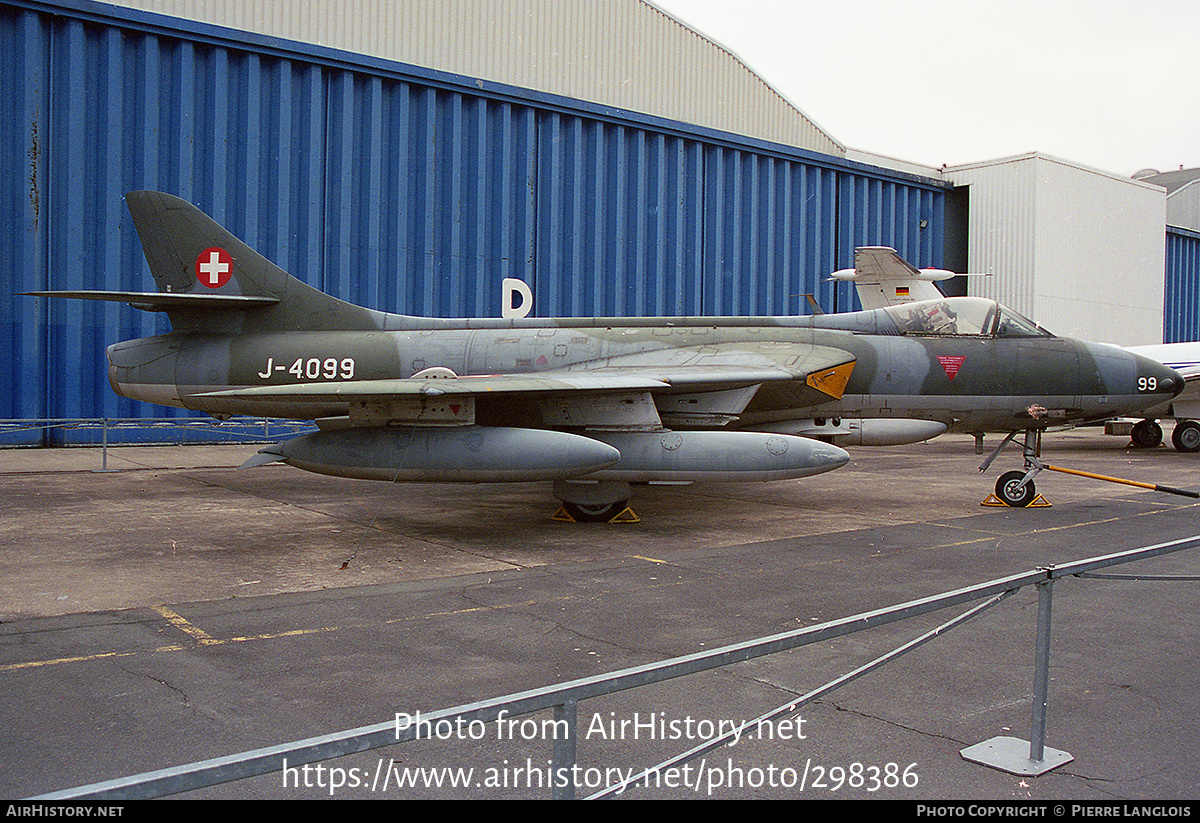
970 382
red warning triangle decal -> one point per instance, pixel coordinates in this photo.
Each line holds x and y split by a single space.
951 363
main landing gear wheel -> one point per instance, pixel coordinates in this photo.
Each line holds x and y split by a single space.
1186 437
604 502
1006 490
600 513
1146 434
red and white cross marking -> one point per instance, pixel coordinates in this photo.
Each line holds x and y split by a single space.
214 267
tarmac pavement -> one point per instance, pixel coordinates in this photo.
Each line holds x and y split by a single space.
177 609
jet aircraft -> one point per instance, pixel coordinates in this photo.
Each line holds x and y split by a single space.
592 404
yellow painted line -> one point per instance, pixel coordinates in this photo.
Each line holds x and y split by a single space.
205 639
32 664
178 622
1015 535
208 640
291 633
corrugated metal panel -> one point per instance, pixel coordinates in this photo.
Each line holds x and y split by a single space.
876 212
385 186
1069 246
430 197
618 220
25 89
1183 206
624 53
769 235
1100 254
1001 236
1181 304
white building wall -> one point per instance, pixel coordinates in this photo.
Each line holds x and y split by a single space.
1183 207
1078 250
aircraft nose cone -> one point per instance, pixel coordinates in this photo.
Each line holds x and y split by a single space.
1180 383
1152 378
1159 379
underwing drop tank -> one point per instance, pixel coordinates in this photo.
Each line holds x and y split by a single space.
467 454
671 456
477 454
860 432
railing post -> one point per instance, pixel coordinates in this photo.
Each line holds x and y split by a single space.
104 446
1041 672
1010 754
564 752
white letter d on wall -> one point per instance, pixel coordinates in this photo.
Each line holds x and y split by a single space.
514 286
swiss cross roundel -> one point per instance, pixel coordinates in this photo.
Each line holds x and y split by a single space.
214 267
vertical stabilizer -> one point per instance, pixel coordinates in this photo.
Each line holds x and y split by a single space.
884 278
190 253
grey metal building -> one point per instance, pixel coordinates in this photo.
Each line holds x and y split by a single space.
405 187
1181 306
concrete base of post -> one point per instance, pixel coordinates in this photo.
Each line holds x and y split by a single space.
1012 755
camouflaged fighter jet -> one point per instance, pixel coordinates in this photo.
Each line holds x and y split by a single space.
592 404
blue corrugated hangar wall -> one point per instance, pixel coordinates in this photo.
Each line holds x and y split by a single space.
1181 304
397 187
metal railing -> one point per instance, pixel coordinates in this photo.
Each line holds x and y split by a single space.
148 431
564 698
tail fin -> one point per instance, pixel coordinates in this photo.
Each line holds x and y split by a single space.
884 278
215 281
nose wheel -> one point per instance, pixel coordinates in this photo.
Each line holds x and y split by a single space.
1015 488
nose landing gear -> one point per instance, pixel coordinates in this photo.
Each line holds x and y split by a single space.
1016 489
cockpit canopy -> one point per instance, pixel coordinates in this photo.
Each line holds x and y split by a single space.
963 317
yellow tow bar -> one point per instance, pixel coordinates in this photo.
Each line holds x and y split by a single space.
1151 486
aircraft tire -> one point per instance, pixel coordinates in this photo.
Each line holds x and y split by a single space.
1146 434
1005 490
600 513
1186 436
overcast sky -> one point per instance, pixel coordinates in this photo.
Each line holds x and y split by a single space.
1110 84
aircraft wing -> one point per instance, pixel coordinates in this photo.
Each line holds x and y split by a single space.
883 278
881 263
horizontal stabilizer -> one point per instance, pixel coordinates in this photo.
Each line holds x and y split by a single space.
163 301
